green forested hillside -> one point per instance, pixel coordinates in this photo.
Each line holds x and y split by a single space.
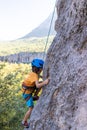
12 106
31 45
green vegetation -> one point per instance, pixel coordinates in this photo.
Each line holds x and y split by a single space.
24 45
12 106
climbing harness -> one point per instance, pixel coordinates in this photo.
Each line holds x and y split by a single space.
35 97
28 88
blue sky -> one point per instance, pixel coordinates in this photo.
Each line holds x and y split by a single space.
19 17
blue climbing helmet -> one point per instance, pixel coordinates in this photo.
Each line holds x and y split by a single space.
37 63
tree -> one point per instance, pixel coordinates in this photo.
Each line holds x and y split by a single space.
11 103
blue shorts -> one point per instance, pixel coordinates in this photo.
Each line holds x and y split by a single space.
29 102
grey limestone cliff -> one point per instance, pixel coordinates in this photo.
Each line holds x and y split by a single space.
22 57
63 103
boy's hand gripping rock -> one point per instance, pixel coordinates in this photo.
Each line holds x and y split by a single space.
46 81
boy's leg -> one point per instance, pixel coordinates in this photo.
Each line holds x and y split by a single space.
28 113
30 104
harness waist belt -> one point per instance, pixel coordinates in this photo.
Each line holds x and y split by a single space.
25 87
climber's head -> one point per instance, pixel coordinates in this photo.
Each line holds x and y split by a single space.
37 65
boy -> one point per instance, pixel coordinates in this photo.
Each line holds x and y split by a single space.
29 85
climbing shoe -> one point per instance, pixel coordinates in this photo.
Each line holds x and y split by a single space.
25 124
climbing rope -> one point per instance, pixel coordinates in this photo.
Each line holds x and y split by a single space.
49 31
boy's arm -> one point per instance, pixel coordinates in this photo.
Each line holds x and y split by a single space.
41 84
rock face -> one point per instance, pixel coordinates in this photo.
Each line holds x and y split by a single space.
63 103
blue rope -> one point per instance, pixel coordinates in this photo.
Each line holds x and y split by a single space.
49 31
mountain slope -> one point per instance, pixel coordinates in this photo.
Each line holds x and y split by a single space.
43 28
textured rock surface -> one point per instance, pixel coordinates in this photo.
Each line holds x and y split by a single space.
63 103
